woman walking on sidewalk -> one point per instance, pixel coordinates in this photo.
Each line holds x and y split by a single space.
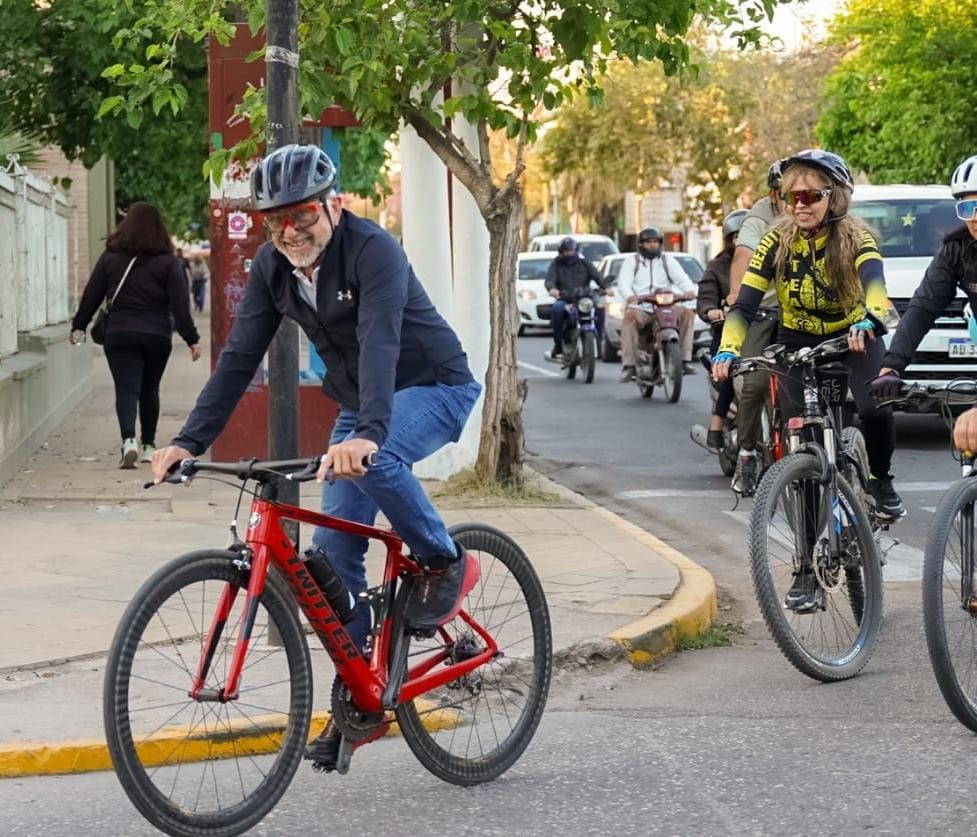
138 269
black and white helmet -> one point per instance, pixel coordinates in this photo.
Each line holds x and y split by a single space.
291 174
964 180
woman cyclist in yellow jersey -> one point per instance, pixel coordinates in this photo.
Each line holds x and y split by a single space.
827 270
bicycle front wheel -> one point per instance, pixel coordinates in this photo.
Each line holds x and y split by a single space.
206 767
949 604
491 713
833 633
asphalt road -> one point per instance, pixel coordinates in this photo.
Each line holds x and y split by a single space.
723 741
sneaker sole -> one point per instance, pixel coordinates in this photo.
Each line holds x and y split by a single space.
129 460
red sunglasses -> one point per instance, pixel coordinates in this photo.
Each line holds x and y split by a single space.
805 197
301 217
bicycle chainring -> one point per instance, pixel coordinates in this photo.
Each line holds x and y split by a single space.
352 722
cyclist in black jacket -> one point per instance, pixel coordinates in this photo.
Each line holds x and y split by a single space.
954 266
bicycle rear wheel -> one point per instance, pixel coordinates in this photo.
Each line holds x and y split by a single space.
789 535
205 767
949 606
494 710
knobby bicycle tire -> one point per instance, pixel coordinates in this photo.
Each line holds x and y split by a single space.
507 694
158 637
852 607
952 656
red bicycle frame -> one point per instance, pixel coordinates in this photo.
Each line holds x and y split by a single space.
776 433
265 545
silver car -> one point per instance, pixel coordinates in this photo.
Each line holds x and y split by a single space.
610 346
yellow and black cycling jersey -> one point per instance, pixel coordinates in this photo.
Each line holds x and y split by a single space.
808 299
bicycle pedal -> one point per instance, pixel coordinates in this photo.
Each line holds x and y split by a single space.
421 633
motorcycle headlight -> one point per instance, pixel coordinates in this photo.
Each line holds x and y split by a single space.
664 299
527 294
585 305
615 309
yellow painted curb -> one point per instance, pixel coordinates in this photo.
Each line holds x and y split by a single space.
689 612
255 736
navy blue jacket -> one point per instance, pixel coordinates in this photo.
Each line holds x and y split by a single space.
374 326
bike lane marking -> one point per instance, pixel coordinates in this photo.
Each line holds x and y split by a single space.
548 372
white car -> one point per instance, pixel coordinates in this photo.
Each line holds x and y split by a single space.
910 222
532 298
593 247
610 346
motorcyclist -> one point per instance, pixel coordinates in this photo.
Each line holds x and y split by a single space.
755 386
567 273
711 308
653 270
954 266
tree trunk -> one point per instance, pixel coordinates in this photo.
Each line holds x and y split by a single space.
501 446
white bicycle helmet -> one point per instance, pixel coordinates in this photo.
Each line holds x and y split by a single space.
964 180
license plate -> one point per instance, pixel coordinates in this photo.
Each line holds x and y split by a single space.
961 347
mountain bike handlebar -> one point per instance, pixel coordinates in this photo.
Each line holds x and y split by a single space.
777 356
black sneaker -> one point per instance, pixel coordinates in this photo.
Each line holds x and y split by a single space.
803 594
745 475
435 597
324 751
628 374
688 367
714 440
888 503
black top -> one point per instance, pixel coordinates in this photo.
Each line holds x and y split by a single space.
568 278
954 266
714 285
374 326
154 294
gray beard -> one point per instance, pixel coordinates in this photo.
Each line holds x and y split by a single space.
318 245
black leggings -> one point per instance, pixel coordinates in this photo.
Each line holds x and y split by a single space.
137 362
878 422
724 390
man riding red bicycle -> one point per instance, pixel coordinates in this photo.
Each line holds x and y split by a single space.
394 365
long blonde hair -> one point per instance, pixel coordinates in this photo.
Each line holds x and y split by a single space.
845 238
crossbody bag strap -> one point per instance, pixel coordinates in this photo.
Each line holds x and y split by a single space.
122 282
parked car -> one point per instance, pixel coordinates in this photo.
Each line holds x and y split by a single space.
593 247
532 298
910 222
610 347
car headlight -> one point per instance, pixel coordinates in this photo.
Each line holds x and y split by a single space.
585 305
527 295
616 310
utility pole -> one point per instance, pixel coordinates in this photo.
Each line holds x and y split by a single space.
281 77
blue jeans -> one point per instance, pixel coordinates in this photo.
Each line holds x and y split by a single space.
423 420
558 319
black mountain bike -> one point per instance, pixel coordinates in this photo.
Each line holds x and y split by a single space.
949 567
811 528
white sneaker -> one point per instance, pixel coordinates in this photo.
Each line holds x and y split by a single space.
130 453
146 453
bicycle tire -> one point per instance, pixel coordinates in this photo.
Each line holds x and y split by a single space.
163 601
938 582
853 444
522 671
589 356
857 582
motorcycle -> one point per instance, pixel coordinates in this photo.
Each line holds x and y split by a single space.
659 350
580 336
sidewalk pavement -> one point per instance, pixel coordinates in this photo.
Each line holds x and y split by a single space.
81 535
